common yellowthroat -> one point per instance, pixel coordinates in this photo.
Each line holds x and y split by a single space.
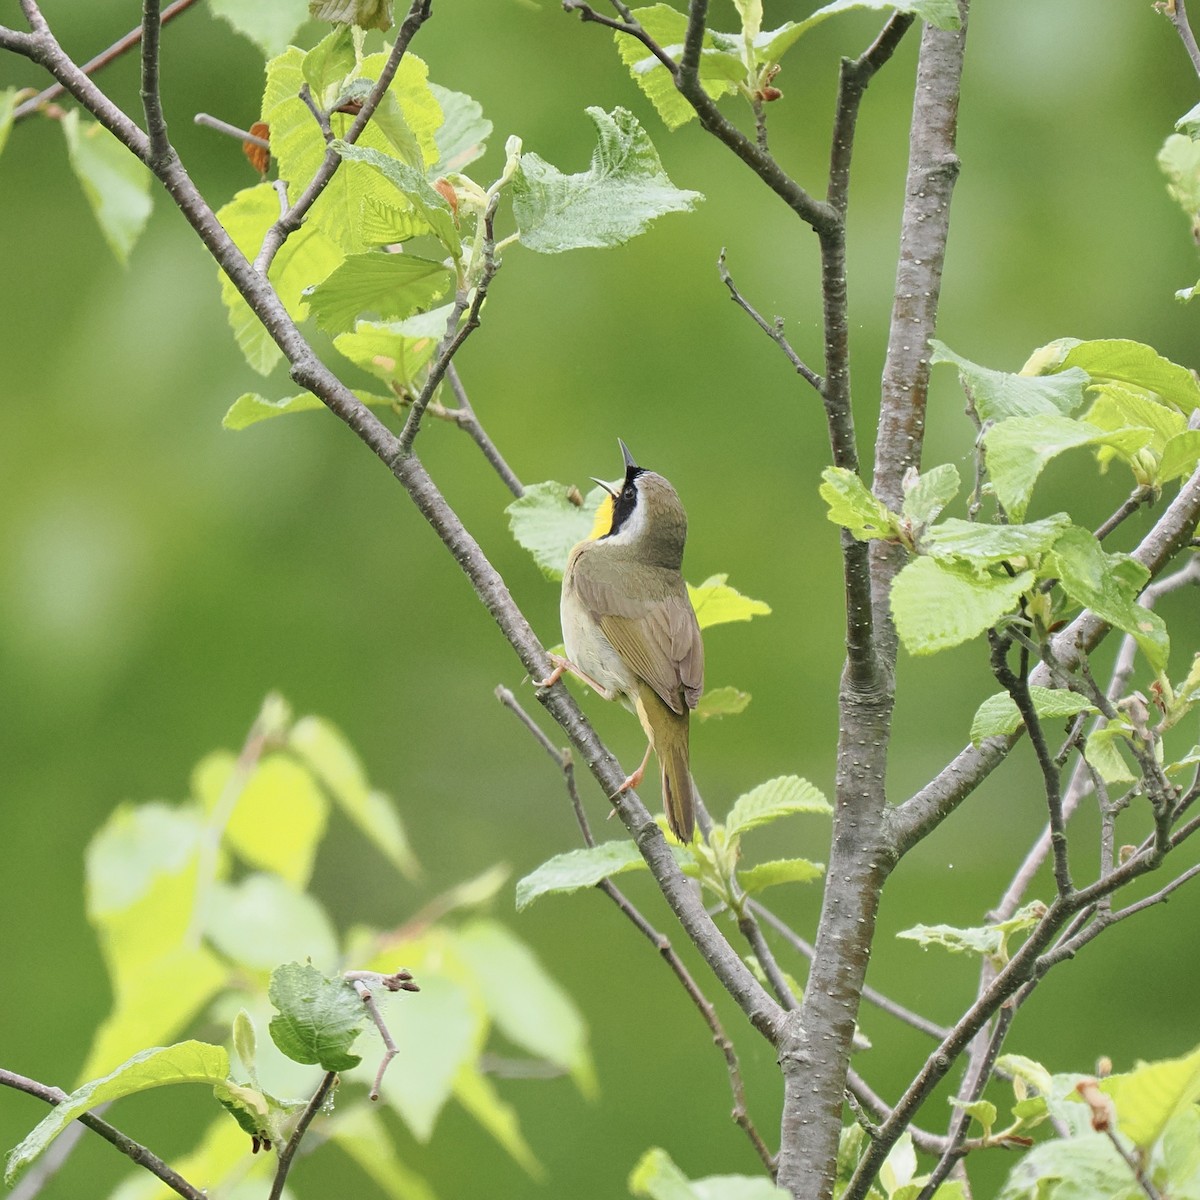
629 628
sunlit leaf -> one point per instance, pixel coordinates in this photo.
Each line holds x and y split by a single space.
548 523
1001 395
1118 360
783 870
781 797
269 24
984 545
388 286
658 1178
577 869
262 919
930 493
1150 1095
716 603
852 506
463 134
250 408
998 715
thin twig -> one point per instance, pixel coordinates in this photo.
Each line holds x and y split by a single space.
1135 500
288 1153
1177 15
127 1146
362 981
242 135
156 121
28 107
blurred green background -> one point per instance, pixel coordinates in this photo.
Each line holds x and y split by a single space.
159 575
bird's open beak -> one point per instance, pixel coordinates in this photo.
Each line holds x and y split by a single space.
630 465
608 487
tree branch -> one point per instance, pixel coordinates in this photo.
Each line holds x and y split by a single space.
288 1153
1176 12
156 121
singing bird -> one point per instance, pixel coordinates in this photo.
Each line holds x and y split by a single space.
629 628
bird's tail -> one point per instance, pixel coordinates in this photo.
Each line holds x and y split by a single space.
668 733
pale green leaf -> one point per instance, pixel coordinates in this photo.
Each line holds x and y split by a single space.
380 349
1078 1168
1105 758
769 801
721 702
1189 123
186 1062
614 200
8 103
982 1111
930 493
899 1167
999 395
389 286
1109 585
478 1095
657 1177
982 546
328 63
269 24
262 919
463 134
1018 449
1150 1095
116 184
332 759
360 1132
1117 360
441 1032
989 940
1119 407
318 1018
998 715
1180 456
575 869
250 408
852 505
939 605
306 258
1179 161
547 522
526 1004
1027 1069
716 603
384 224
782 870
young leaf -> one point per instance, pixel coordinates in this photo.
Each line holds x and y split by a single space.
982 546
250 408
382 350
657 1177
782 870
988 940
999 395
998 715
1104 757
853 506
462 136
1133 363
269 24
328 63
8 102
390 286
1180 456
716 603
982 1111
186 1062
1179 161
930 493
566 873
116 184
1149 1096
614 200
721 702
939 605
769 801
318 1017
547 523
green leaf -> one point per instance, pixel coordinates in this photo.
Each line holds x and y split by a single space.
8 103
116 184
307 257
853 506
656 1176
1149 1096
251 407
464 131
1189 123
478 1095
328 63
389 286
939 605
360 1131
269 24
721 702
528 1006
716 603
548 523
332 759
186 1062
721 69
366 14
999 395
925 498
769 801
1019 448
1134 363
262 919
1180 456
1179 161
982 1111
566 873
1104 756
430 204
988 940
983 546
782 870
1109 585
318 1017
998 716
614 200
1078 1168
382 350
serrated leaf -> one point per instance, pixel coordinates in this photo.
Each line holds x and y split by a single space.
932 491
116 184
716 603
388 286
333 760
366 14
360 1132
624 189
547 524
1118 360
721 702
318 1018
269 24
251 407
527 1005
262 919
576 869
1000 395
938 605
998 715
780 797
982 546
1150 1095
1017 450
186 1062
852 505
464 131
782 870
1109 585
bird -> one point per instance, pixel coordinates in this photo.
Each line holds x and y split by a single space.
629 629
